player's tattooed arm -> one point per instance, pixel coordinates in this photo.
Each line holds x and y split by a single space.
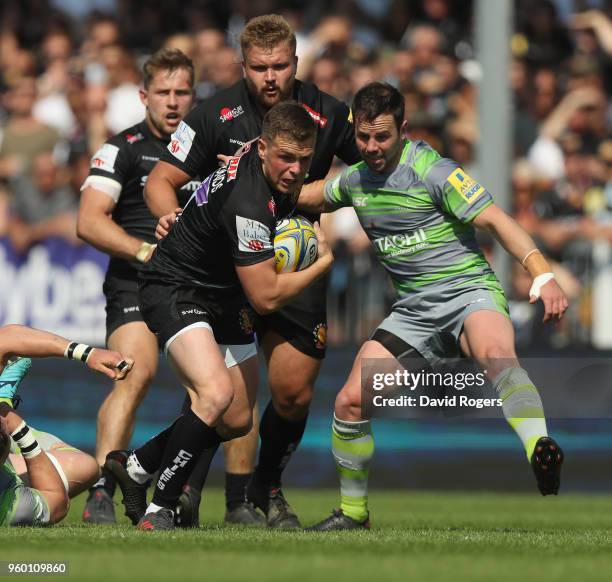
160 189
521 246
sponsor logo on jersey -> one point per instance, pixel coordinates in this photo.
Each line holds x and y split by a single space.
133 138
131 309
316 116
227 114
201 194
236 142
105 157
466 186
232 168
253 236
218 177
150 158
193 311
246 320
405 243
191 186
320 336
181 141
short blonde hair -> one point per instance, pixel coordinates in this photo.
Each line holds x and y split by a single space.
267 32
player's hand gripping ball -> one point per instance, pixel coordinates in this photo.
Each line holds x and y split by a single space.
295 244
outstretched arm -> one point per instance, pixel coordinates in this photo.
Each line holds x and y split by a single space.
19 340
522 247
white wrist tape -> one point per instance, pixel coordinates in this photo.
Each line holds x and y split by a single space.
76 351
538 283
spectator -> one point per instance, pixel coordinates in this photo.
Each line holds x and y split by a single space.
43 205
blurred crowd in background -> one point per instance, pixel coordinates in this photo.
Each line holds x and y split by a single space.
70 75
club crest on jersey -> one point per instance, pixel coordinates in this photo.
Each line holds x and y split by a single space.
227 114
181 141
316 116
320 336
133 138
246 320
466 186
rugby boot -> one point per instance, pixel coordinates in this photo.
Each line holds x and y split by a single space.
546 462
99 507
134 493
245 514
338 521
162 520
187 513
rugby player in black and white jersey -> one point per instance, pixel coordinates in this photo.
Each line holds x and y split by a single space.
114 218
196 294
293 339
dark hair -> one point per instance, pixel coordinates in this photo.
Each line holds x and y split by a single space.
290 119
376 99
167 60
267 32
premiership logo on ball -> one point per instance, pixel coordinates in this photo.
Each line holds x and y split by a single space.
295 244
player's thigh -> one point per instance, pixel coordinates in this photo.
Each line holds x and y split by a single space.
239 416
291 373
197 360
488 337
137 342
350 394
80 470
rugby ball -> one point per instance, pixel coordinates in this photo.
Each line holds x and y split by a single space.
295 244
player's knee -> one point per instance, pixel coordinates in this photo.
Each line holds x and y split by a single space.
238 426
294 404
498 354
134 388
346 403
59 509
207 402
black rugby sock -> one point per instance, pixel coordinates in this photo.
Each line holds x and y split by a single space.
190 437
200 470
150 454
279 439
235 488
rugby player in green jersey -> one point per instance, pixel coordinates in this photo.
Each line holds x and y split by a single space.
419 210
39 473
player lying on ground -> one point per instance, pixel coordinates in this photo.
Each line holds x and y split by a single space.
196 294
38 472
419 209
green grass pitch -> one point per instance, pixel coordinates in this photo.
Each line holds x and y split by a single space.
416 536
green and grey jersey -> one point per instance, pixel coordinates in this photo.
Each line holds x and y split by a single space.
418 218
20 505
